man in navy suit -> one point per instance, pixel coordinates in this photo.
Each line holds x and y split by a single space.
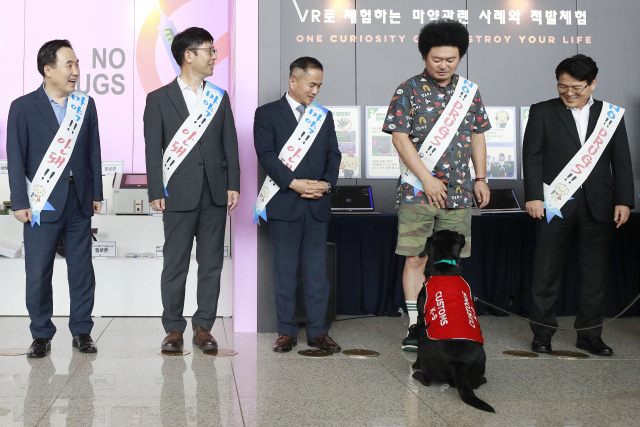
300 211
34 121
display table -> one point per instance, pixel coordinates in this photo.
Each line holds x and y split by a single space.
499 270
124 286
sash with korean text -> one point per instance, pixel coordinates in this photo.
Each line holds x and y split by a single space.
190 132
581 165
293 151
60 150
443 131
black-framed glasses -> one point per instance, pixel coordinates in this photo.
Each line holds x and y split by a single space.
212 51
562 89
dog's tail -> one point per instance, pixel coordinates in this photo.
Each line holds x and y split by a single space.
467 395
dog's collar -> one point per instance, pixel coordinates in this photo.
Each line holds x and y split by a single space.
446 261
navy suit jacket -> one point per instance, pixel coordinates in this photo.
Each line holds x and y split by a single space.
31 126
550 142
274 124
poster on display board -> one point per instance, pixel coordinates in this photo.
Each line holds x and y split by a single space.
524 118
382 158
501 143
347 124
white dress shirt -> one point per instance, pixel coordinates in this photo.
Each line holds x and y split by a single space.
294 105
190 97
582 119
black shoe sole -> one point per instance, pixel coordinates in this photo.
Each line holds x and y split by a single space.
204 347
541 350
606 353
310 344
295 343
171 349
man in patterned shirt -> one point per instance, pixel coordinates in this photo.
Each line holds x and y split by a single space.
444 203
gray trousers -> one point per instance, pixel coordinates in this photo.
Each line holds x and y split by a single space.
207 223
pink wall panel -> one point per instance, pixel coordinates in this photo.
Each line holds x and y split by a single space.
153 67
102 38
12 50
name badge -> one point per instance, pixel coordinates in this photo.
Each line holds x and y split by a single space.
103 249
111 168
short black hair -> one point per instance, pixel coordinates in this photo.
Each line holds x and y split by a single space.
444 32
48 54
189 39
304 63
580 67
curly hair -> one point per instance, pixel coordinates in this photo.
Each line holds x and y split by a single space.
445 32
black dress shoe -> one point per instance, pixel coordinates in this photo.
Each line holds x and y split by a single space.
39 348
594 345
541 344
84 344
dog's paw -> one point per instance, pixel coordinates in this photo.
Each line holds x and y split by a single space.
478 383
422 378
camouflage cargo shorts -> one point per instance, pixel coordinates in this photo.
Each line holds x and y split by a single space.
417 222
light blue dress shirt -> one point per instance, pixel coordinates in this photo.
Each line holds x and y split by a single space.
59 110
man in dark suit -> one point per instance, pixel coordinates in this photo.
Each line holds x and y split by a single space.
300 211
201 190
556 131
34 122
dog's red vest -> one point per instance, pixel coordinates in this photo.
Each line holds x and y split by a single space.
449 312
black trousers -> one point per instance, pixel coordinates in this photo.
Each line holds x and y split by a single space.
594 247
40 242
303 241
207 224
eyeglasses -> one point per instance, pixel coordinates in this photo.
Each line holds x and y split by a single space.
562 89
211 50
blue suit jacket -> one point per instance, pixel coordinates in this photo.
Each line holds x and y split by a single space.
274 124
31 127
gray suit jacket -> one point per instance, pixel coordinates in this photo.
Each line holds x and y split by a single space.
216 152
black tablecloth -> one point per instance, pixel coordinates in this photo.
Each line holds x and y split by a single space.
499 270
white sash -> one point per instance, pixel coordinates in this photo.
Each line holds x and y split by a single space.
293 151
442 133
59 153
190 132
581 165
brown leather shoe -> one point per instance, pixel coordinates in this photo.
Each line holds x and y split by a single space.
203 339
172 342
284 343
324 342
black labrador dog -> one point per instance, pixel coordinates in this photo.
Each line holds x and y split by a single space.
458 362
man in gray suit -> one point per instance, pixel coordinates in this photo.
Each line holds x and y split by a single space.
193 175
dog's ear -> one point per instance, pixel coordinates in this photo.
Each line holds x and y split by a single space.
427 248
461 240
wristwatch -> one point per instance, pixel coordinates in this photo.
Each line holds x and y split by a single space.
329 187
484 179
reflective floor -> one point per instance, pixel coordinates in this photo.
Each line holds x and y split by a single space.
128 384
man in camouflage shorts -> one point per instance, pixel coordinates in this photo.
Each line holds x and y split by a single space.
444 204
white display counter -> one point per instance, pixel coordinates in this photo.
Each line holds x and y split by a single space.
124 286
